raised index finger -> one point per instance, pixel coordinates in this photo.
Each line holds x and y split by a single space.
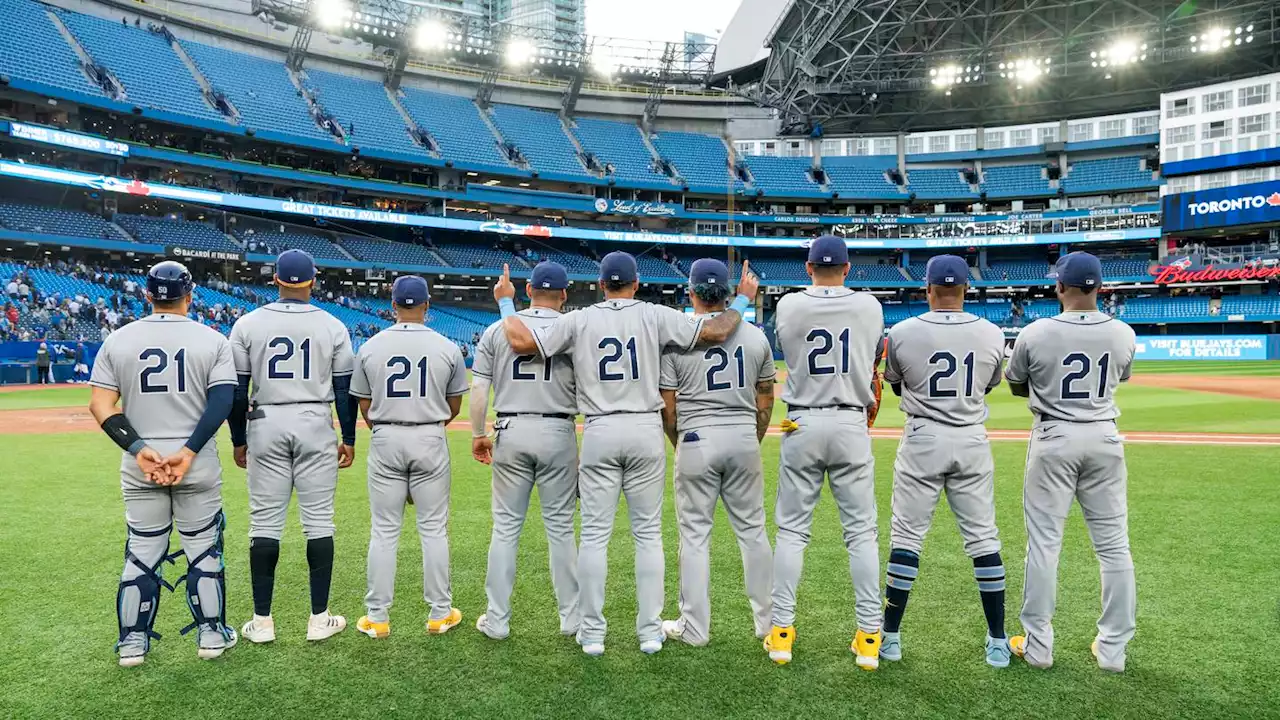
506 272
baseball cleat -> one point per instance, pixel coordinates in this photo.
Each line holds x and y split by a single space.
1018 646
649 647
778 644
133 650
866 649
261 629
483 626
375 630
218 643
593 649
322 626
998 652
445 624
1093 648
671 629
891 646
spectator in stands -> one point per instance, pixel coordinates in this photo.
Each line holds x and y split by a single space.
6 330
24 290
80 372
44 365
12 288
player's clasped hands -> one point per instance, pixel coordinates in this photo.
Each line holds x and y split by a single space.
162 470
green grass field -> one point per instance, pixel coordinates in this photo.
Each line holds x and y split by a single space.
1203 526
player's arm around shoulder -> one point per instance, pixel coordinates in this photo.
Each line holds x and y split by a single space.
719 328
457 385
1017 372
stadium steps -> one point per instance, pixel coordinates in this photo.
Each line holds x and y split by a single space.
647 139
487 118
313 106
582 152
394 97
122 231
203 82
85 58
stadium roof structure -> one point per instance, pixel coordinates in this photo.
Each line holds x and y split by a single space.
874 66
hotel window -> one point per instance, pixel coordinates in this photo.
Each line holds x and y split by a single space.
1218 101
1181 107
1255 95
939 143
1108 129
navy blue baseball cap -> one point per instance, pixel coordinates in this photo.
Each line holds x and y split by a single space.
1078 270
169 280
295 268
549 275
709 271
410 291
828 250
946 270
618 267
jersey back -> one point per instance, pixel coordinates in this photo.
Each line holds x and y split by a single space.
830 339
526 383
163 366
946 362
408 372
616 348
1072 364
717 385
292 351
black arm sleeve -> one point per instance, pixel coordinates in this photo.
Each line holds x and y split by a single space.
218 405
238 421
120 430
345 404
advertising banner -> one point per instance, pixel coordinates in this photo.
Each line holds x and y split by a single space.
1201 347
1250 204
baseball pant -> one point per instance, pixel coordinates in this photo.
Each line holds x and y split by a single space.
150 510
621 454
835 445
720 463
933 457
292 447
408 461
529 452
1084 461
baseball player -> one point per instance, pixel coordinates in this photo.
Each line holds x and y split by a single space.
299 360
715 400
175 382
616 348
942 364
830 338
535 443
409 380
1068 367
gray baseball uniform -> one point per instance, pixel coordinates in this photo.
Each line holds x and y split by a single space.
292 351
163 366
945 363
719 457
1072 364
830 338
535 444
408 372
616 348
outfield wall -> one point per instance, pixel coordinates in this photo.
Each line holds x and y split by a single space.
1208 347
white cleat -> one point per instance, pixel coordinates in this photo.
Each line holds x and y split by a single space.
324 626
671 629
649 647
261 629
210 653
132 660
593 649
133 650
483 626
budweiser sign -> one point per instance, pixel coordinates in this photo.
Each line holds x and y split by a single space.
1170 274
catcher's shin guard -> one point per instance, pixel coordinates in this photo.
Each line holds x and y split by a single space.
206 578
145 551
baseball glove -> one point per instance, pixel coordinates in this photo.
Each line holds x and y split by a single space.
877 389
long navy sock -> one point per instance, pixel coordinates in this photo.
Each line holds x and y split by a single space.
264 553
900 575
320 560
988 570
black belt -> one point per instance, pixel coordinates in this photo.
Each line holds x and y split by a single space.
409 424
554 416
912 418
623 412
1046 417
796 408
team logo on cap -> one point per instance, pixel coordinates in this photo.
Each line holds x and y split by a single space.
949 278
615 276
711 281
826 258
546 284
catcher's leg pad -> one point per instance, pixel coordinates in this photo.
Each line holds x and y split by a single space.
206 577
138 597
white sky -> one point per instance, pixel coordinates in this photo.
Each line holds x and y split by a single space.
658 19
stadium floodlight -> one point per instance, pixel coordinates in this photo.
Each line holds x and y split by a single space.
430 35
1119 54
603 63
947 75
1217 39
1023 71
520 52
330 14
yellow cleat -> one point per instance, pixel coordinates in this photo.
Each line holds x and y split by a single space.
788 425
866 649
1018 645
778 644
377 630
444 625
1093 648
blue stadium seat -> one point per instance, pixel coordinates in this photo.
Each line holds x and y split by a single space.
652 267
777 271
619 146
938 184
56 221
880 272
185 233
1254 306
476 256
318 246
1132 266
1107 175
862 177
1163 308
143 61
1015 181
702 160
1017 271
364 104
540 137
455 123
259 89
575 263
32 49
783 176
388 253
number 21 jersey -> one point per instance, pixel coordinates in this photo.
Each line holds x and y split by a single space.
830 337
292 350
